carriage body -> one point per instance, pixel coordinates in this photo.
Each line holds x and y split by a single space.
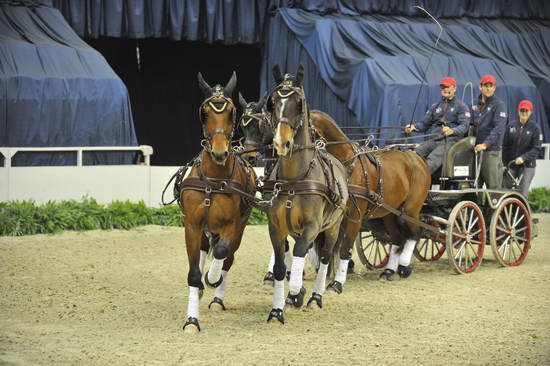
462 220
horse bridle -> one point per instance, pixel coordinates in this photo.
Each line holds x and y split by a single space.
263 120
217 97
283 94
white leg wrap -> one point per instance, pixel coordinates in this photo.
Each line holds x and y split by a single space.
394 258
313 258
295 283
342 271
406 254
279 295
288 260
215 270
271 262
220 290
320 280
201 260
193 303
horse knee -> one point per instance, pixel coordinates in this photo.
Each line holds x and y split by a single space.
221 250
194 278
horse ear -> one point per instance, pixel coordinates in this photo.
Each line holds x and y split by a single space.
261 103
231 85
300 75
206 89
277 74
242 101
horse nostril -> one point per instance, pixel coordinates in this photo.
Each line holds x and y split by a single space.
225 154
287 144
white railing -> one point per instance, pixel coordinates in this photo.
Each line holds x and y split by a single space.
9 152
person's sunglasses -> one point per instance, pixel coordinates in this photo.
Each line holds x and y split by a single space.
524 110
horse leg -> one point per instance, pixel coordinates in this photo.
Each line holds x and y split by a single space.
326 253
205 246
269 280
279 269
192 241
346 238
296 291
217 302
213 277
397 243
413 210
232 235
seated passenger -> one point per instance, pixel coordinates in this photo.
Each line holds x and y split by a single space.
522 143
451 116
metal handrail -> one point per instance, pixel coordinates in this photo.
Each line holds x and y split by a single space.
9 152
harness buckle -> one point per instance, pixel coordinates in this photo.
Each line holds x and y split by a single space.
291 192
208 190
223 185
207 202
288 204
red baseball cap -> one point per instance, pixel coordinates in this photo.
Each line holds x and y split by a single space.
447 81
488 79
525 104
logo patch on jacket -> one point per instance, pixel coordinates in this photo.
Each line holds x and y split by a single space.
540 137
467 114
452 109
437 110
512 129
503 114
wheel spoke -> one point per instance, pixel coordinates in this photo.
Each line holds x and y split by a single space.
521 230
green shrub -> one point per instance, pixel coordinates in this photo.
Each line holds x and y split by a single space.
539 199
26 218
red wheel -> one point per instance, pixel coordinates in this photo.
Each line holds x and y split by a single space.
372 252
511 232
466 236
430 249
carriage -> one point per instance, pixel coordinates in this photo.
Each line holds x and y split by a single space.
459 219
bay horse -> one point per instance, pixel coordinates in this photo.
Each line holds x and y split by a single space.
400 179
308 192
255 124
215 213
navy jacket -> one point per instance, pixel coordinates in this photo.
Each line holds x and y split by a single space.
452 113
522 140
489 120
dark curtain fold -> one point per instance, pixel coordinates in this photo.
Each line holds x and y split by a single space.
376 63
226 21
242 21
58 91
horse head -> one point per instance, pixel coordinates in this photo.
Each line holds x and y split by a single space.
255 125
289 109
217 114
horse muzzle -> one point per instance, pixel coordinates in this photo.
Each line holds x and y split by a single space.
219 157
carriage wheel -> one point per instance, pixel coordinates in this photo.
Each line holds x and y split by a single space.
510 232
466 236
372 252
428 249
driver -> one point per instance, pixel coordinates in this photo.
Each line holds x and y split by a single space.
450 116
521 146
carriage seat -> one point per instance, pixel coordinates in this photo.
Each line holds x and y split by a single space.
459 163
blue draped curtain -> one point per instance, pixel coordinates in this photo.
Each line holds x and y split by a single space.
373 66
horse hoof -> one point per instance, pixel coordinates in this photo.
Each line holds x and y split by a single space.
276 314
215 284
296 300
216 305
335 287
269 279
387 275
191 326
315 300
404 271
